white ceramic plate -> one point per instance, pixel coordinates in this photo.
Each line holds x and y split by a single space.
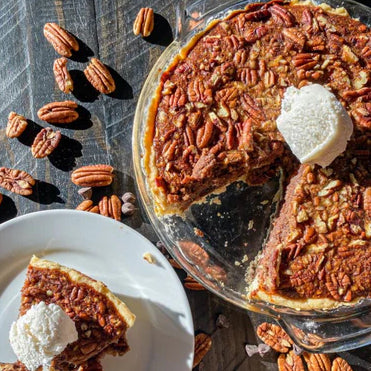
109 251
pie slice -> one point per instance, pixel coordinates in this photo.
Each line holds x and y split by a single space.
100 317
318 255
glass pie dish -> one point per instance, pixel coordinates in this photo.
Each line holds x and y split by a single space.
215 241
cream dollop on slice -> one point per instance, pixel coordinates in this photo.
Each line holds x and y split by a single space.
314 124
41 334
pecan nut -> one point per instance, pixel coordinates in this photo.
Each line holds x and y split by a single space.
59 112
99 76
111 207
282 16
191 284
17 181
144 22
194 252
340 364
45 142
93 176
203 344
1 198
17 124
290 362
61 40
317 362
62 76
85 205
274 336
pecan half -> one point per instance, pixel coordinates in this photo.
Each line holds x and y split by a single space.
274 336
290 362
340 364
282 16
203 344
62 41
111 207
17 181
144 22
59 112
93 176
194 252
99 76
87 205
45 143
62 76
317 362
191 284
16 125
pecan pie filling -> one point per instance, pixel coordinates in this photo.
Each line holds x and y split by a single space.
214 122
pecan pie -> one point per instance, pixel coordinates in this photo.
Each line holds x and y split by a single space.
214 122
101 318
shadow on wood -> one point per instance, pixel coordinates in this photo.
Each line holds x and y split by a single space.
8 209
64 156
28 136
45 193
83 90
123 89
84 52
162 33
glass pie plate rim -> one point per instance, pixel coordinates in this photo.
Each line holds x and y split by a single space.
187 27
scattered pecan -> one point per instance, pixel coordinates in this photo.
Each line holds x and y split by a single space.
194 252
93 176
111 207
17 124
59 112
87 205
317 362
144 22
17 181
62 76
340 364
203 344
1 198
274 336
290 362
174 263
45 142
99 76
62 41
191 284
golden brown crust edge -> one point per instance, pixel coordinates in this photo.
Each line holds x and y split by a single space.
98 286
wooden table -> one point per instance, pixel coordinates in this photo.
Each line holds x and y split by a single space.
103 135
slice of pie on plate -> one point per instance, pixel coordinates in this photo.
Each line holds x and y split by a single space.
101 319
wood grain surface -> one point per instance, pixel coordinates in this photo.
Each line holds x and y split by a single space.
103 134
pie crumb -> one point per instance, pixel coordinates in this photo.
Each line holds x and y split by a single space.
149 258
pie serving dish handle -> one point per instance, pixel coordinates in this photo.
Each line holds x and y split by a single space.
216 241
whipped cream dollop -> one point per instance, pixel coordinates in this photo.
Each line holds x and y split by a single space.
41 334
314 124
